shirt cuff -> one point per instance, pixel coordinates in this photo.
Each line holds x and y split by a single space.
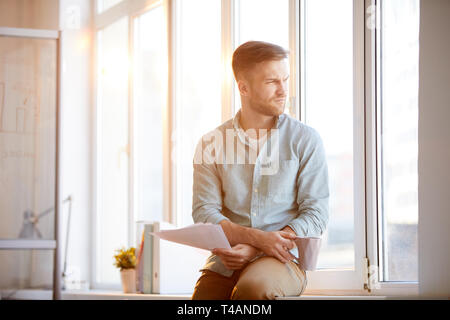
297 227
215 218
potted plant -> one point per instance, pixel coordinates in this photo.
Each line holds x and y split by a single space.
125 260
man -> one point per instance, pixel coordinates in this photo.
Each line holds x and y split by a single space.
262 205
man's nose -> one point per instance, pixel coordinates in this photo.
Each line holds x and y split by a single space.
282 88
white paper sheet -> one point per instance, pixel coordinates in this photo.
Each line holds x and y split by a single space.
206 236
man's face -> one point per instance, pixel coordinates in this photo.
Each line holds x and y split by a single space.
265 87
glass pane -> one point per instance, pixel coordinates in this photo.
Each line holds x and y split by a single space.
199 90
25 269
27 137
329 109
150 100
261 20
112 146
103 5
399 140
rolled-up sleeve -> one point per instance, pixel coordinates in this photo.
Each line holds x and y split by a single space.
207 191
313 189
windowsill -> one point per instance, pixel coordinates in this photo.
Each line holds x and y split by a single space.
36 294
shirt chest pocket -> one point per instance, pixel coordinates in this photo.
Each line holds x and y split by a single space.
282 184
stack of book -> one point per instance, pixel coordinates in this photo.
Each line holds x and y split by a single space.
165 267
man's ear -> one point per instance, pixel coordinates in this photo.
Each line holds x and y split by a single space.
243 87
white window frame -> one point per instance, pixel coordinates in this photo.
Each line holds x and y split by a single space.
101 21
373 163
130 9
346 281
331 281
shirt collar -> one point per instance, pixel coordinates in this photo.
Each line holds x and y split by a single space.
242 136
238 128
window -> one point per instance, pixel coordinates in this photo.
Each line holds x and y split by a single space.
198 90
149 103
103 5
130 144
328 104
356 85
112 153
331 61
260 20
398 111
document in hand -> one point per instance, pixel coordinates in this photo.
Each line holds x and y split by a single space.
206 236
308 252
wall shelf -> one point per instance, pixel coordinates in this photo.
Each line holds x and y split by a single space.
20 244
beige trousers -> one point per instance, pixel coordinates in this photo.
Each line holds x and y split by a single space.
264 278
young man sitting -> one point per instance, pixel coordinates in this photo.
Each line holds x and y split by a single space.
275 191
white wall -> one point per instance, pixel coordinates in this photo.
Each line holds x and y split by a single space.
434 149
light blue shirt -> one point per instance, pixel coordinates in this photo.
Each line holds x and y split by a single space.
286 184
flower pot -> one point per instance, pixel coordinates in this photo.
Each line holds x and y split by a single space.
128 277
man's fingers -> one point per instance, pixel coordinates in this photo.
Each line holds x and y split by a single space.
221 251
290 256
287 256
288 235
234 263
234 260
280 257
225 252
234 266
288 243
230 259
218 251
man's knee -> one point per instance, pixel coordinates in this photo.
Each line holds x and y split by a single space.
268 278
255 288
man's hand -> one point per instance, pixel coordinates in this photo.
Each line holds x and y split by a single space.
274 243
289 230
236 257
277 244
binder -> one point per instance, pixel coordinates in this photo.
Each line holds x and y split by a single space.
139 263
147 260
